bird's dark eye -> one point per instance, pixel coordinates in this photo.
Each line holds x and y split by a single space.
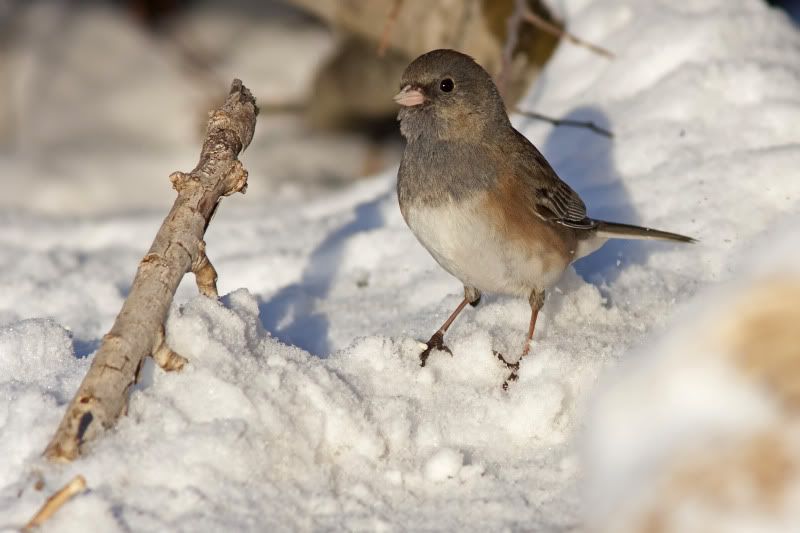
446 85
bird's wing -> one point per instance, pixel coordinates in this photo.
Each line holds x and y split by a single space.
552 199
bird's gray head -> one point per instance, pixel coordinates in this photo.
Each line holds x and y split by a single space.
446 95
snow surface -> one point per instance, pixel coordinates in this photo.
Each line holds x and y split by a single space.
304 407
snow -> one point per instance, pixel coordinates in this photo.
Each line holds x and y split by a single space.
303 405
443 464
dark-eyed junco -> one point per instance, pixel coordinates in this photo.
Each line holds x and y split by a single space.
481 198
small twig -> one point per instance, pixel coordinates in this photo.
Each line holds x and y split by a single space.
205 274
567 122
523 13
56 501
512 38
532 18
164 357
391 19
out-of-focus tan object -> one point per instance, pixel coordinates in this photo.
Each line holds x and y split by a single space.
475 27
355 85
762 336
757 473
724 475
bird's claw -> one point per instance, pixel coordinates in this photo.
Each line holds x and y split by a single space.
436 342
514 367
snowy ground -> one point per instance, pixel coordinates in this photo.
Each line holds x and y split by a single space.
304 407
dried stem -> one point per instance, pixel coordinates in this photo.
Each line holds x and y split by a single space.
567 122
513 25
391 19
523 13
534 19
56 501
138 329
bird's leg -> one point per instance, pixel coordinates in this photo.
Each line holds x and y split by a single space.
471 296
536 300
436 341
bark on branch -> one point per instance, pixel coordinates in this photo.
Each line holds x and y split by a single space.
177 248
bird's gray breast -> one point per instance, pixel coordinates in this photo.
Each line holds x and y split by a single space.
434 172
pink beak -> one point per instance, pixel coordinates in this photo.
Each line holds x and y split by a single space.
409 97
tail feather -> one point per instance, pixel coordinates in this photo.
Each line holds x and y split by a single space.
615 230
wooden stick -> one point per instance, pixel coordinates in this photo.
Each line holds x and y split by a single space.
137 331
532 18
56 501
567 122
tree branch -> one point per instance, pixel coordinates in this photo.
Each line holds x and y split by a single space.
567 122
138 329
532 18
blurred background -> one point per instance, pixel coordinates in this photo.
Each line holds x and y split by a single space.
102 100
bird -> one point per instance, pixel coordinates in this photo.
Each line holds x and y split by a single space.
482 199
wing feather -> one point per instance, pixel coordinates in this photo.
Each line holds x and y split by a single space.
553 200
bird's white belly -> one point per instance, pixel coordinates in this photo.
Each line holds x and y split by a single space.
467 244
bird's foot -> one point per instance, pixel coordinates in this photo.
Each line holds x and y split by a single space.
514 367
436 342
